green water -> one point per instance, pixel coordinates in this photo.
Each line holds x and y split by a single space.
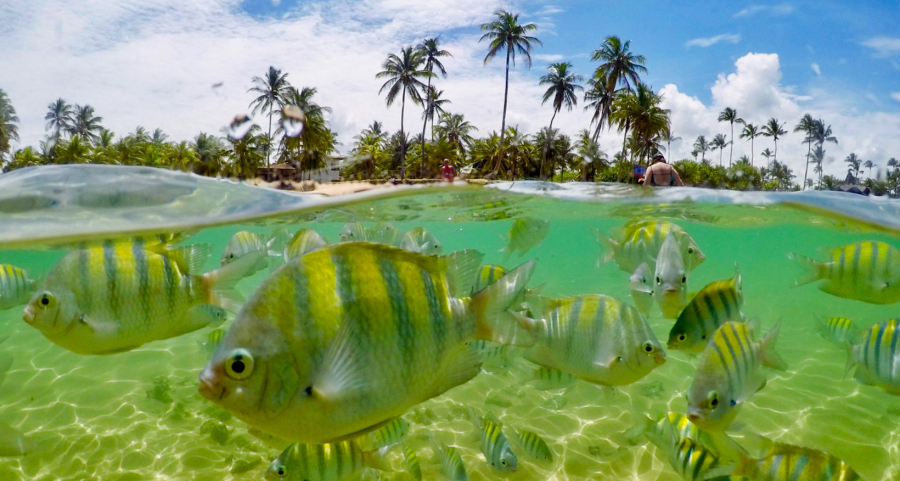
113 418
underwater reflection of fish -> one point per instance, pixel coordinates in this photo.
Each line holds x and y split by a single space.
244 242
639 242
421 241
324 462
876 357
493 443
525 234
728 374
717 303
304 240
594 337
350 336
115 298
15 287
865 271
783 462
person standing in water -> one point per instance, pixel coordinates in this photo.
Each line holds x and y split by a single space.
661 173
447 172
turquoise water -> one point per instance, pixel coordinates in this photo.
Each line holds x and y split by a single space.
137 415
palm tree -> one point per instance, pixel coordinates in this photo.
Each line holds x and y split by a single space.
854 162
767 154
619 65
561 88
701 146
403 73
434 104
599 99
271 89
807 126
775 130
892 162
85 124
589 154
730 115
750 132
430 47
9 131
505 33
719 142
59 117
209 150
668 137
457 130
869 164
822 133
639 110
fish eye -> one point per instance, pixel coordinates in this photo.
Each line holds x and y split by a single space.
280 471
239 365
503 462
683 279
681 337
713 398
733 402
648 347
231 256
657 280
690 250
46 299
308 391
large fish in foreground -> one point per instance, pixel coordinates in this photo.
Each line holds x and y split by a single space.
594 337
866 271
727 374
346 338
876 357
639 242
114 298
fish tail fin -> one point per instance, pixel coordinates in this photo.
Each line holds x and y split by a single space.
222 282
278 241
641 426
474 418
491 308
769 357
815 270
378 458
411 462
461 269
609 247
190 259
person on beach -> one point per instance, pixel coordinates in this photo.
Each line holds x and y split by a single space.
447 172
661 173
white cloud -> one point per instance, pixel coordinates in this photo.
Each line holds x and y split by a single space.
549 10
895 96
547 57
784 9
883 46
816 68
276 3
710 41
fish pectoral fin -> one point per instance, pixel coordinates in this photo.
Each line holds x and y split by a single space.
190 259
753 386
342 375
99 328
607 362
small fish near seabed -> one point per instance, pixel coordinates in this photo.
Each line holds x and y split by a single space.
692 460
838 330
346 359
115 298
639 242
244 242
452 466
717 303
596 338
783 462
876 357
324 462
15 286
421 241
728 374
533 445
524 235
305 240
494 444
865 271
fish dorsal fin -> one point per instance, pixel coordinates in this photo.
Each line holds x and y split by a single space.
189 259
461 269
342 375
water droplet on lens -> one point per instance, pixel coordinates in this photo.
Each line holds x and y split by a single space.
239 127
292 119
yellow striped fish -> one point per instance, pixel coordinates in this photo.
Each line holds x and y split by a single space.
727 374
866 271
305 240
387 435
669 430
717 303
213 339
493 443
784 462
534 445
382 233
452 466
411 462
324 462
344 339
594 337
525 234
546 378
641 283
244 242
837 329
119 296
15 287
421 241
487 274
639 242
877 358
491 353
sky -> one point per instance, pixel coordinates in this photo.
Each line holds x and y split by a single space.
185 65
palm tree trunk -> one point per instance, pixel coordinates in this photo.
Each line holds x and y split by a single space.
624 141
424 125
752 155
402 137
269 138
544 156
731 152
806 172
775 155
502 124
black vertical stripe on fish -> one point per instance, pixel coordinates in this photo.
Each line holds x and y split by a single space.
718 351
339 458
404 325
878 340
713 315
438 326
300 283
143 271
738 366
574 314
112 288
85 281
171 281
320 458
